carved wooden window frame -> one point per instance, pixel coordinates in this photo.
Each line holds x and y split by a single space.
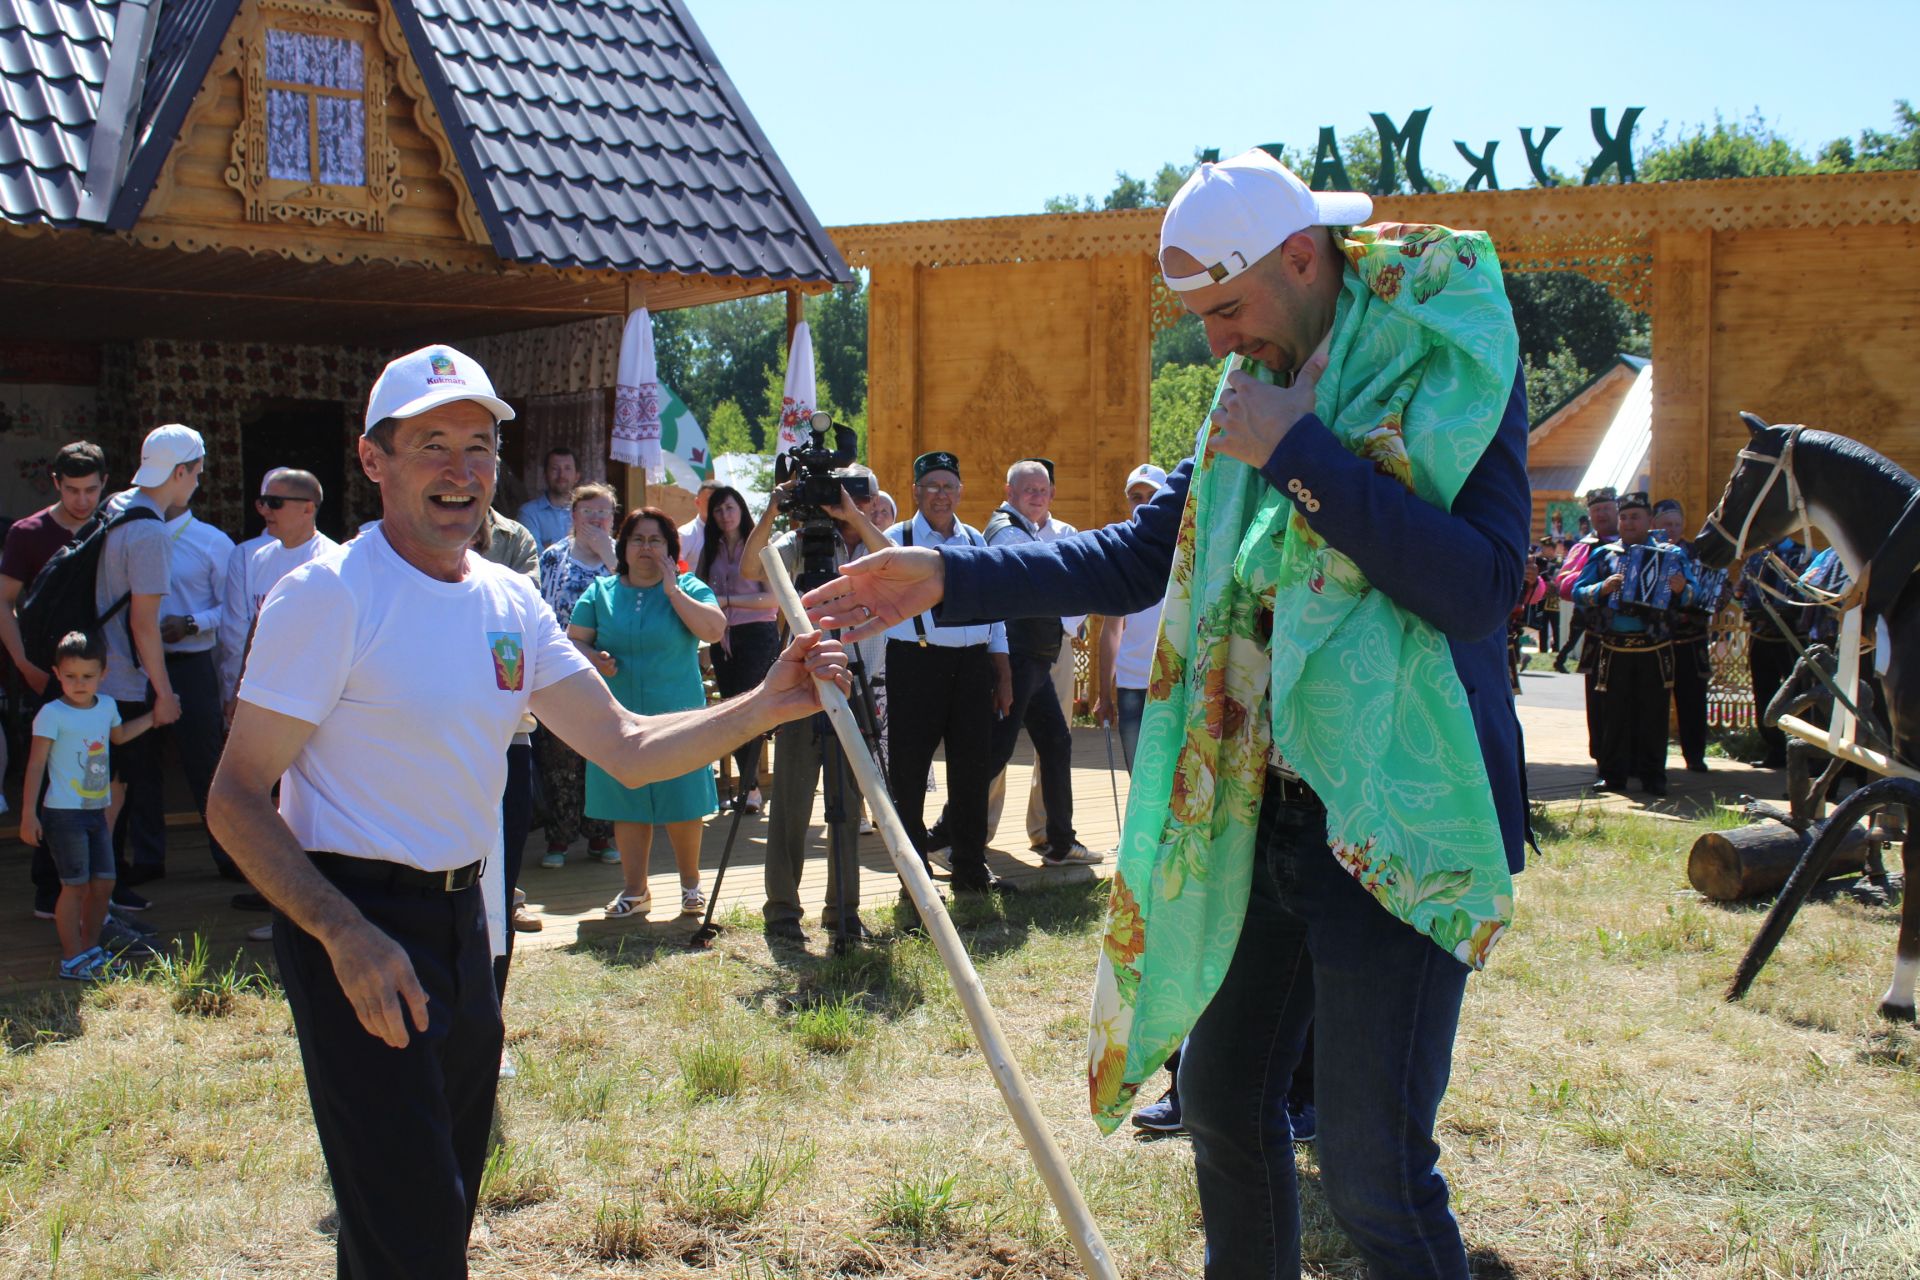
268 199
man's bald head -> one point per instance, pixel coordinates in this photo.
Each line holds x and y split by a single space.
291 482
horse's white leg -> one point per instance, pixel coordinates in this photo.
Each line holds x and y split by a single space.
1897 1004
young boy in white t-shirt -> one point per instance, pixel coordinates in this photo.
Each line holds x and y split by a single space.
70 737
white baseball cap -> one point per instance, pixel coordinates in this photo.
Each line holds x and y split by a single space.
1229 214
430 377
164 449
1145 473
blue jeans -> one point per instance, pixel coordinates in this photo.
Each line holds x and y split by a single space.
1129 704
1383 1002
78 842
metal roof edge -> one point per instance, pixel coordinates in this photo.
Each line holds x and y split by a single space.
829 252
152 148
459 131
111 142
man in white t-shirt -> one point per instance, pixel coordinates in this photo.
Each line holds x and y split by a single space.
1126 643
693 534
289 504
385 682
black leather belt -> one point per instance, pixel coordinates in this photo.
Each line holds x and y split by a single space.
1288 789
391 875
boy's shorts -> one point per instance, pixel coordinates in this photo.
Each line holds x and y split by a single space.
79 843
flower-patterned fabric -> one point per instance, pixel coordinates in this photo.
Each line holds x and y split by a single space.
1272 640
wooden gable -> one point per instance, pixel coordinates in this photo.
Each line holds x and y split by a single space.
214 191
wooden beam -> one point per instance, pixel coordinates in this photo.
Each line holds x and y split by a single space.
893 374
796 312
1682 368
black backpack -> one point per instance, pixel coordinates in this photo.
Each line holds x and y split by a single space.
61 597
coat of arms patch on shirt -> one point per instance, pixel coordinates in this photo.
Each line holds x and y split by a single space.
509 659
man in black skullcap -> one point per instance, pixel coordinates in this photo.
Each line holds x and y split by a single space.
945 685
1633 585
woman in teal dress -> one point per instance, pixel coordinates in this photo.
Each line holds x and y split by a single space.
642 630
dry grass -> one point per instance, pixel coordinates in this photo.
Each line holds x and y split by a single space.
755 1114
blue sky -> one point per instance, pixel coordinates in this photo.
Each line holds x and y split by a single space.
900 110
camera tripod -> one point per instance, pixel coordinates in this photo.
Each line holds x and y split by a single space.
837 779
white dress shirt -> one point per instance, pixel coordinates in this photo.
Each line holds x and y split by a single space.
252 569
993 635
198 582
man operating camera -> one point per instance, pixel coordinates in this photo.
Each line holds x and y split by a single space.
798 747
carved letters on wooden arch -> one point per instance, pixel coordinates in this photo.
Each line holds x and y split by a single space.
1007 411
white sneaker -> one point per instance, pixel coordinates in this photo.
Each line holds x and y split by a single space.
866 826
507 1070
941 858
261 932
1079 855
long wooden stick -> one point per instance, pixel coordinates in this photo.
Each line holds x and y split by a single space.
1052 1166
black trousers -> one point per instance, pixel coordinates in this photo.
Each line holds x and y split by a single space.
199 734
516 820
1770 660
1036 708
404 1131
1692 671
941 695
140 833
1633 718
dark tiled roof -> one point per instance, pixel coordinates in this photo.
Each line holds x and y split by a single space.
53 65
187 34
603 133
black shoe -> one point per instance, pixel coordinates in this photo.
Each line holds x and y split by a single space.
1774 762
1609 784
1560 665
144 873
43 903
127 900
852 930
250 902
1697 766
994 884
785 931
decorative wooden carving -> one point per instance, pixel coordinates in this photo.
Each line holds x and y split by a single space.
428 118
270 199
1008 409
1827 386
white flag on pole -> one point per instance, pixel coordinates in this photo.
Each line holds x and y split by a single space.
636 398
799 398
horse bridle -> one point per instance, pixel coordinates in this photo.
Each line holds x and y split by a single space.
1782 464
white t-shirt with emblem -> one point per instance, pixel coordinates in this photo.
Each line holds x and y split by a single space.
415 687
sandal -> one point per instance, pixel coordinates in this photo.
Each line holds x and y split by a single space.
627 904
693 900
753 802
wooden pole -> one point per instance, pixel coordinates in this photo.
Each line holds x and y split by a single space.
1052 1166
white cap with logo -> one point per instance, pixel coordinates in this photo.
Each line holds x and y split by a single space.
428 378
1145 473
164 449
1232 213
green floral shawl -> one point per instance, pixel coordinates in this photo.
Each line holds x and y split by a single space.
1356 693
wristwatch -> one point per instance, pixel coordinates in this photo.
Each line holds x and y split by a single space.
193 628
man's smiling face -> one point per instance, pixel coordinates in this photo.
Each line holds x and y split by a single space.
437 483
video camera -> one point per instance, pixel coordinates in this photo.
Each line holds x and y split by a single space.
813 466
814 469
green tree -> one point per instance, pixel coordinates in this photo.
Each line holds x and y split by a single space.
1184 342
1177 404
727 431
838 322
1875 150
1730 149
1552 381
1560 308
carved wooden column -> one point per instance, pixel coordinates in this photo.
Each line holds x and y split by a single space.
893 377
1682 370
1119 340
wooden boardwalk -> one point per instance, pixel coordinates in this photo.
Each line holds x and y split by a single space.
192 899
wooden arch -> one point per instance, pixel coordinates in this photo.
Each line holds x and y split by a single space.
1797 298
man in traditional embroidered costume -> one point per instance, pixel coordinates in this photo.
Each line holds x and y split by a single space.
1603 518
1328 800
1770 651
1634 584
1692 624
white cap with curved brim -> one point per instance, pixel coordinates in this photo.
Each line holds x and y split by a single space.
1232 213
165 448
428 378
1145 473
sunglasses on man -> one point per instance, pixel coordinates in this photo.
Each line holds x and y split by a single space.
275 501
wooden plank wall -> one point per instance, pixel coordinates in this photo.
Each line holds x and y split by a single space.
999 362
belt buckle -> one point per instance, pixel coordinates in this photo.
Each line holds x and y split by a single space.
449 885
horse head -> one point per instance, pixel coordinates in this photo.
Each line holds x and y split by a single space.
1756 479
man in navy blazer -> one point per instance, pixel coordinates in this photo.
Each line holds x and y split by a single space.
1315 948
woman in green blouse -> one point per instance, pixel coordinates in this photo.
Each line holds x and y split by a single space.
642 630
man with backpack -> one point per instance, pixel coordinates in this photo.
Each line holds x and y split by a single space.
79 478
135 566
